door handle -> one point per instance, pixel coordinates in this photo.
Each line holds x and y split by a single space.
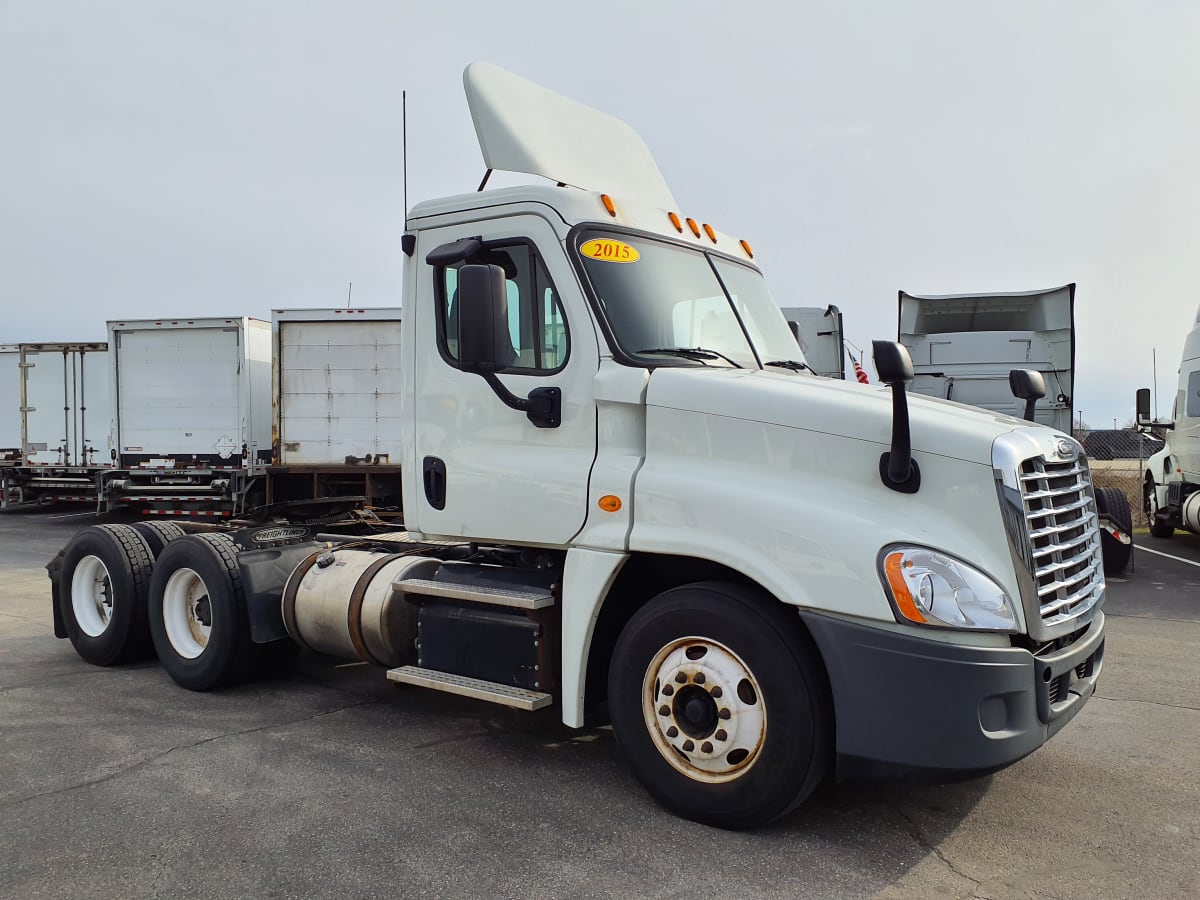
434 474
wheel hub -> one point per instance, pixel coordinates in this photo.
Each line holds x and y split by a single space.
703 709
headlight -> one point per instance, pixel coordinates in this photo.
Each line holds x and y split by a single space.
930 588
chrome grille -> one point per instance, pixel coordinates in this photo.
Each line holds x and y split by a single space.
1063 537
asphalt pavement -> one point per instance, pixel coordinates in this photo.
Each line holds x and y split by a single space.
333 782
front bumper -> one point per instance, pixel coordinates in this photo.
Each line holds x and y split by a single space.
914 708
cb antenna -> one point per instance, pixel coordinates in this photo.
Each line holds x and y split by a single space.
404 153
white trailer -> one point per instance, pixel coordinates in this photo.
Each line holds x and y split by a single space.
336 387
66 423
10 404
625 494
1171 492
192 414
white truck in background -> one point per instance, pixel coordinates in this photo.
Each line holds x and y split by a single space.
969 348
336 382
65 415
1171 491
818 331
626 497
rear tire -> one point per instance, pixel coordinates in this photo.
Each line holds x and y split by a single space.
721 705
157 534
1158 528
198 613
104 584
1112 502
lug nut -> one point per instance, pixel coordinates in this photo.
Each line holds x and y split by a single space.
664 710
699 679
668 690
716 690
688 746
672 732
706 747
680 677
724 714
721 734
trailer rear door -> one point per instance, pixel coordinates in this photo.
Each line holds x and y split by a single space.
178 402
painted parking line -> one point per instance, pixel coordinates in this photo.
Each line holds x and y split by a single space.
1190 562
70 515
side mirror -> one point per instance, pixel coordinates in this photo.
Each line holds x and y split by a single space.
897 469
1143 407
1027 385
484 345
794 327
892 363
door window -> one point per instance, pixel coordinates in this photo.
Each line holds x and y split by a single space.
537 327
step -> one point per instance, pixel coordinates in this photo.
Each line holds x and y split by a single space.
517 698
496 596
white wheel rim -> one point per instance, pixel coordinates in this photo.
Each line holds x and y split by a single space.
1152 501
704 710
91 596
187 613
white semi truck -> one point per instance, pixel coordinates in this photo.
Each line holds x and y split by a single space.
625 496
1171 492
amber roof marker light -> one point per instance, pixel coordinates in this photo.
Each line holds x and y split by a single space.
675 221
712 235
609 205
695 228
746 247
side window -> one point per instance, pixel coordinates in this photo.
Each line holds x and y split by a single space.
537 327
1193 395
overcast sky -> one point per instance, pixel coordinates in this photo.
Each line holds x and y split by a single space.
167 158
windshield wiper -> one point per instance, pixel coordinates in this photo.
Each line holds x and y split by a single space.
793 364
700 354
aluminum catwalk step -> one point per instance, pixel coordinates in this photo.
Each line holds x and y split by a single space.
517 698
496 596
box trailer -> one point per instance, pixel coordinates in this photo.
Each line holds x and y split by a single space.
10 404
192 401
336 397
65 408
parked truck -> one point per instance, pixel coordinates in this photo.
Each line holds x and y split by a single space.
968 347
65 420
625 497
1171 491
818 331
336 382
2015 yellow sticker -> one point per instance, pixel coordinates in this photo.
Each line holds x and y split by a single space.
609 250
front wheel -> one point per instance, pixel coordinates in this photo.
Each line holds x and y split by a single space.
721 705
1158 528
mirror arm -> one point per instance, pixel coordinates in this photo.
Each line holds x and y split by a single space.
897 468
543 405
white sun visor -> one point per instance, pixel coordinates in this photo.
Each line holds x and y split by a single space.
523 127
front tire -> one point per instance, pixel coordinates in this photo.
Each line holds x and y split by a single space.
1158 527
198 613
104 584
721 705
1112 503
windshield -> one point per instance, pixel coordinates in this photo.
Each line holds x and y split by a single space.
660 297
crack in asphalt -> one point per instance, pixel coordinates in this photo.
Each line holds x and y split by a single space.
1150 702
150 760
915 832
13 615
1109 615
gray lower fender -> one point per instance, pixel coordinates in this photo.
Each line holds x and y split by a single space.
911 707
